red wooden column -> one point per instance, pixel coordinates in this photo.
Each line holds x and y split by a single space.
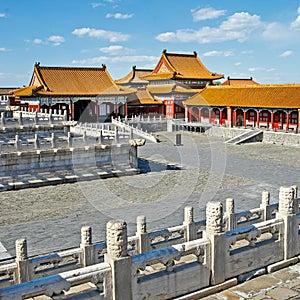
272 119
298 124
186 113
97 110
229 116
257 119
221 116
209 115
173 109
199 114
287 122
245 118
234 117
125 109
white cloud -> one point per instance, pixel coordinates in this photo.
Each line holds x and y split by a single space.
116 59
277 32
37 41
260 69
56 39
2 49
236 27
116 50
286 53
241 21
218 53
296 24
2 15
237 63
120 16
95 5
112 36
206 14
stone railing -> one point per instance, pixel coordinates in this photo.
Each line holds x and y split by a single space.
141 118
134 130
218 252
26 117
101 131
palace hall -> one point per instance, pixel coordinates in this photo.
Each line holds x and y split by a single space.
179 87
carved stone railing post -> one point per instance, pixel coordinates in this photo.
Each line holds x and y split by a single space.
69 139
65 115
35 118
230 219
2 119
22 262
20 119
190 232
142 235
265 205
286 211
84 138
116 134
100 138
117 257
87 247
50 116
53 141
17 143
215 233
36 141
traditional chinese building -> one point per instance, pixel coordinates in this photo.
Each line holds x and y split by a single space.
268 106
176 78
134 78
143 103
239 81
7 97
88 93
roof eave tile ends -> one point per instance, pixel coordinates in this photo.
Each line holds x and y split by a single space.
259 96
75 80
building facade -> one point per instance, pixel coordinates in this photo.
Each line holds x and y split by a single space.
84 93
261 106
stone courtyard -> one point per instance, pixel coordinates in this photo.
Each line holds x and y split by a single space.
200 170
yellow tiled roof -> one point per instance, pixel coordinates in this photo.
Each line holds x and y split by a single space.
26 91
169 88
7 90
239 81
74 81
182 66
142 96
134 76
267 96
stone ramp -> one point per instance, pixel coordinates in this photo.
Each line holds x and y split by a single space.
250 136
145 135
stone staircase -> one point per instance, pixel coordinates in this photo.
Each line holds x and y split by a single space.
246 137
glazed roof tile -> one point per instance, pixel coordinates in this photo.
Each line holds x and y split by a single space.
7 90
73 81
239 81
142 96
169 88
181 66
134 76
266 96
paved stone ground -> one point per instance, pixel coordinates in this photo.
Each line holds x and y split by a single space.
280 285
201 169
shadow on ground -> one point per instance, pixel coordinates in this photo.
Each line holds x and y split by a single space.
147 166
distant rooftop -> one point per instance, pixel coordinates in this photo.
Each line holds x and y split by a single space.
239 81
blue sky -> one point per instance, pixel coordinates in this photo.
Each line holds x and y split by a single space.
258 38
